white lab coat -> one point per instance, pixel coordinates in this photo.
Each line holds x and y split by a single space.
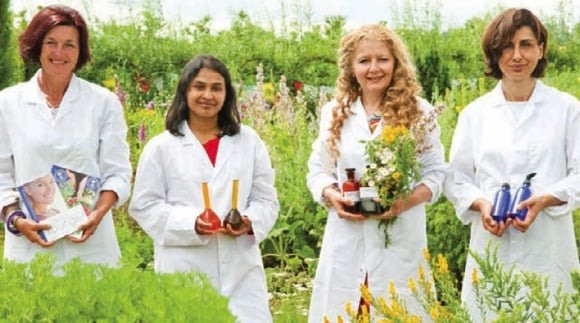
489 148
88 135
350 249
167 199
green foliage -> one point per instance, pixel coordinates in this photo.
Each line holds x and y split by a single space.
7 54
87 293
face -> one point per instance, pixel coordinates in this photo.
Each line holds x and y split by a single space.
520 57
41 190
60 50
373 66
206 94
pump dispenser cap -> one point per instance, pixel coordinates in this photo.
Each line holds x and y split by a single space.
529 178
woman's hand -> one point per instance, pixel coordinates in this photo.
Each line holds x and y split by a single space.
30 229
484 208
336 200
205 228
535 205
244 229
393 210
88 228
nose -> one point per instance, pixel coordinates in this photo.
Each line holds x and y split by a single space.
517 53
374 64
207 93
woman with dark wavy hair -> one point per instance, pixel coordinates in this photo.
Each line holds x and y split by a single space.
57 118
205 142
520 127
377 87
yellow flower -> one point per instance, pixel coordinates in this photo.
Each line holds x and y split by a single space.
110 83
325 319
396 176
426 255
442 264
412 285
421 273
392 290
349 310
474 278
366 294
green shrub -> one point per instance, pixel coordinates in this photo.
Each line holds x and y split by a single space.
89 293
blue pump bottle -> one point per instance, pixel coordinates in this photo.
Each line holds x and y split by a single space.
523 193
501 203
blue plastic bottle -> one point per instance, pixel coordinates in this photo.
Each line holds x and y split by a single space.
501 203
523 193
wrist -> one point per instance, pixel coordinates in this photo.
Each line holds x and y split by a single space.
326 191
12 221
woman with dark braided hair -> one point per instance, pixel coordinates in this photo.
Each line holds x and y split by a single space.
377 87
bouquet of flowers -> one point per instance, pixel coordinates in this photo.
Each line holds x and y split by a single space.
393 166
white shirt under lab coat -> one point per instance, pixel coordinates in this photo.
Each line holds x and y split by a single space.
491 146
87 135
350 249
167 199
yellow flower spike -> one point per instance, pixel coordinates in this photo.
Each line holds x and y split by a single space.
325 319
392 290
412 285
366 294
339 319
349 310
384 308
426 255
421 273
442 265
474 278
434 313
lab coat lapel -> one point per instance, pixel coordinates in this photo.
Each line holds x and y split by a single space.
199 156
227 150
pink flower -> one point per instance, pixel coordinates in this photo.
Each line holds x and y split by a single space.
142 133
150 105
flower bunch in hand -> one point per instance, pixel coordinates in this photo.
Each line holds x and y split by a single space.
393 167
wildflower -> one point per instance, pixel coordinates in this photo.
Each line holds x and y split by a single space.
325 319
421 273
142 133
119 91
474 278
426 255
442 264
392 290
412 287
150 105
366 294
142 84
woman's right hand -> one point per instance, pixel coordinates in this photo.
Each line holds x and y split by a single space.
338 201
484 208
205 228
30 229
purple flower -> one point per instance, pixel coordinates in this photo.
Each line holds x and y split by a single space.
150 105
119 90
142 133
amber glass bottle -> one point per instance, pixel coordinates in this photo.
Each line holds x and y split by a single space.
350 190
208 215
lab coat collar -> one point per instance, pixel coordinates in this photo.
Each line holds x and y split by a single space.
538 94
71 95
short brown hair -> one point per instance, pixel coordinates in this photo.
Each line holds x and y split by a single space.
501 31
30 41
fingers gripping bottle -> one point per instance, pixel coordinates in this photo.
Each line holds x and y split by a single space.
501 203
523 193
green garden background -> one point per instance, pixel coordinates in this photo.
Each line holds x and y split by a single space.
284 71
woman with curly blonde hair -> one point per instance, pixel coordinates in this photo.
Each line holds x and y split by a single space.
377 87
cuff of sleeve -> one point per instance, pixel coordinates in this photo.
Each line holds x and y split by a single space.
559 210
120 187
435 189
180 228
10 227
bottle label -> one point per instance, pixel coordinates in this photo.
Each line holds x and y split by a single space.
368 193
354 196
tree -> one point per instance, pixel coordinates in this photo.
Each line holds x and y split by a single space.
6 55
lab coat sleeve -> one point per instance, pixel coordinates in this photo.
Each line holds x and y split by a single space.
114 160
460 186
8 194
432 164
262 204
320 164
568 188
166 224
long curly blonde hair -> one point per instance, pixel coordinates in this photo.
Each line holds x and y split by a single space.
399 107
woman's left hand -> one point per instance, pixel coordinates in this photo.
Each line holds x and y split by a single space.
244 229
535 205
394 210
88 228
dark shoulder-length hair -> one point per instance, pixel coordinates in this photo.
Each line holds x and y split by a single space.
501 31
30 41
228 116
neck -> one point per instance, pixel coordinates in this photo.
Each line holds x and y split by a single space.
372 102
518 91
204 130
53 88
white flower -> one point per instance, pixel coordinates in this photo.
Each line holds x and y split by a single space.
373 165
383 172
